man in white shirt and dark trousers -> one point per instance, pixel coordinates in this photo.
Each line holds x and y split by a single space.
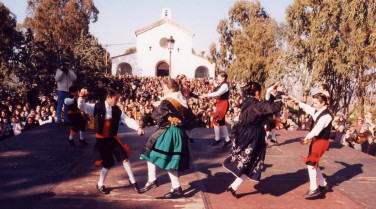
221 92
107 116
319 137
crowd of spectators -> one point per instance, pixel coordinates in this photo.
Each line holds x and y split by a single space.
17 115
358 135
139 94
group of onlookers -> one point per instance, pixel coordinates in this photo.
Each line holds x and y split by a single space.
139 94
358 135
17 115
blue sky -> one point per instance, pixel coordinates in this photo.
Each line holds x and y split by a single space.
119 19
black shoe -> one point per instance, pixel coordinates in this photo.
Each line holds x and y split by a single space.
191 140
215 142
83 141
323 188
71 142
135 187
59 125
103 189
312 193
225 144
233 192
148 186
175 193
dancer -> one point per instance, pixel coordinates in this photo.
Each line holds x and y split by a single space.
168 147
100 92
221 92
75 115
248 150
187 92
107 118
319 137
270 124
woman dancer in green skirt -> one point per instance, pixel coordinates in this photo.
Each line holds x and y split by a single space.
168 147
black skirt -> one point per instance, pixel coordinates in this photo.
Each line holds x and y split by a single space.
247 153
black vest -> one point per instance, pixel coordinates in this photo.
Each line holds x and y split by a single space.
100 117
74 106
225 95
325 133
44 118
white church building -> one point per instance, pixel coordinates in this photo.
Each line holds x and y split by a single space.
156 55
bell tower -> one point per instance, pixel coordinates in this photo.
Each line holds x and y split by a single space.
166 13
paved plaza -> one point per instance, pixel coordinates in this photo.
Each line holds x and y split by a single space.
40 170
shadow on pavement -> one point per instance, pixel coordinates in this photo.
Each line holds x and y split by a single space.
345 174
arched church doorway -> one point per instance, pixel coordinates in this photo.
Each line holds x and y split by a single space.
202 72
162 69
124 69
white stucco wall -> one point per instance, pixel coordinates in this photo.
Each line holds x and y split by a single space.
150 58
145 61
131 59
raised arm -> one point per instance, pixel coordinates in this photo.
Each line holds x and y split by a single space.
85 107
308 109
219 92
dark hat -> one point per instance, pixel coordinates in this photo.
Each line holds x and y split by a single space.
73 89
116 86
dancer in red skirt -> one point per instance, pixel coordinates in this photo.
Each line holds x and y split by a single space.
221 93
319 137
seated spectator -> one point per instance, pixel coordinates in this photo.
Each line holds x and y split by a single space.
30 123
44 118
359 124
4 115
54 116
1 131
369 146
7 127
363 134
349 137
339 134
369 122
23 118
17 127
291 125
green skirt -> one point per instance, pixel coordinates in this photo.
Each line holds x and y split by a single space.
171 150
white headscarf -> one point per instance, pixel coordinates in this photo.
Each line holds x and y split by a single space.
178 96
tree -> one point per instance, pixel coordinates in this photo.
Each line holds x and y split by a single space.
358 30
213 57
333 43
37 66
60 23
131 50
10 42
89 58
248 42
58 31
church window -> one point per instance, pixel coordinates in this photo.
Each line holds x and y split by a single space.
163 42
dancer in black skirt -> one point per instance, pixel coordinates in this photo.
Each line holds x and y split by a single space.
248 150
